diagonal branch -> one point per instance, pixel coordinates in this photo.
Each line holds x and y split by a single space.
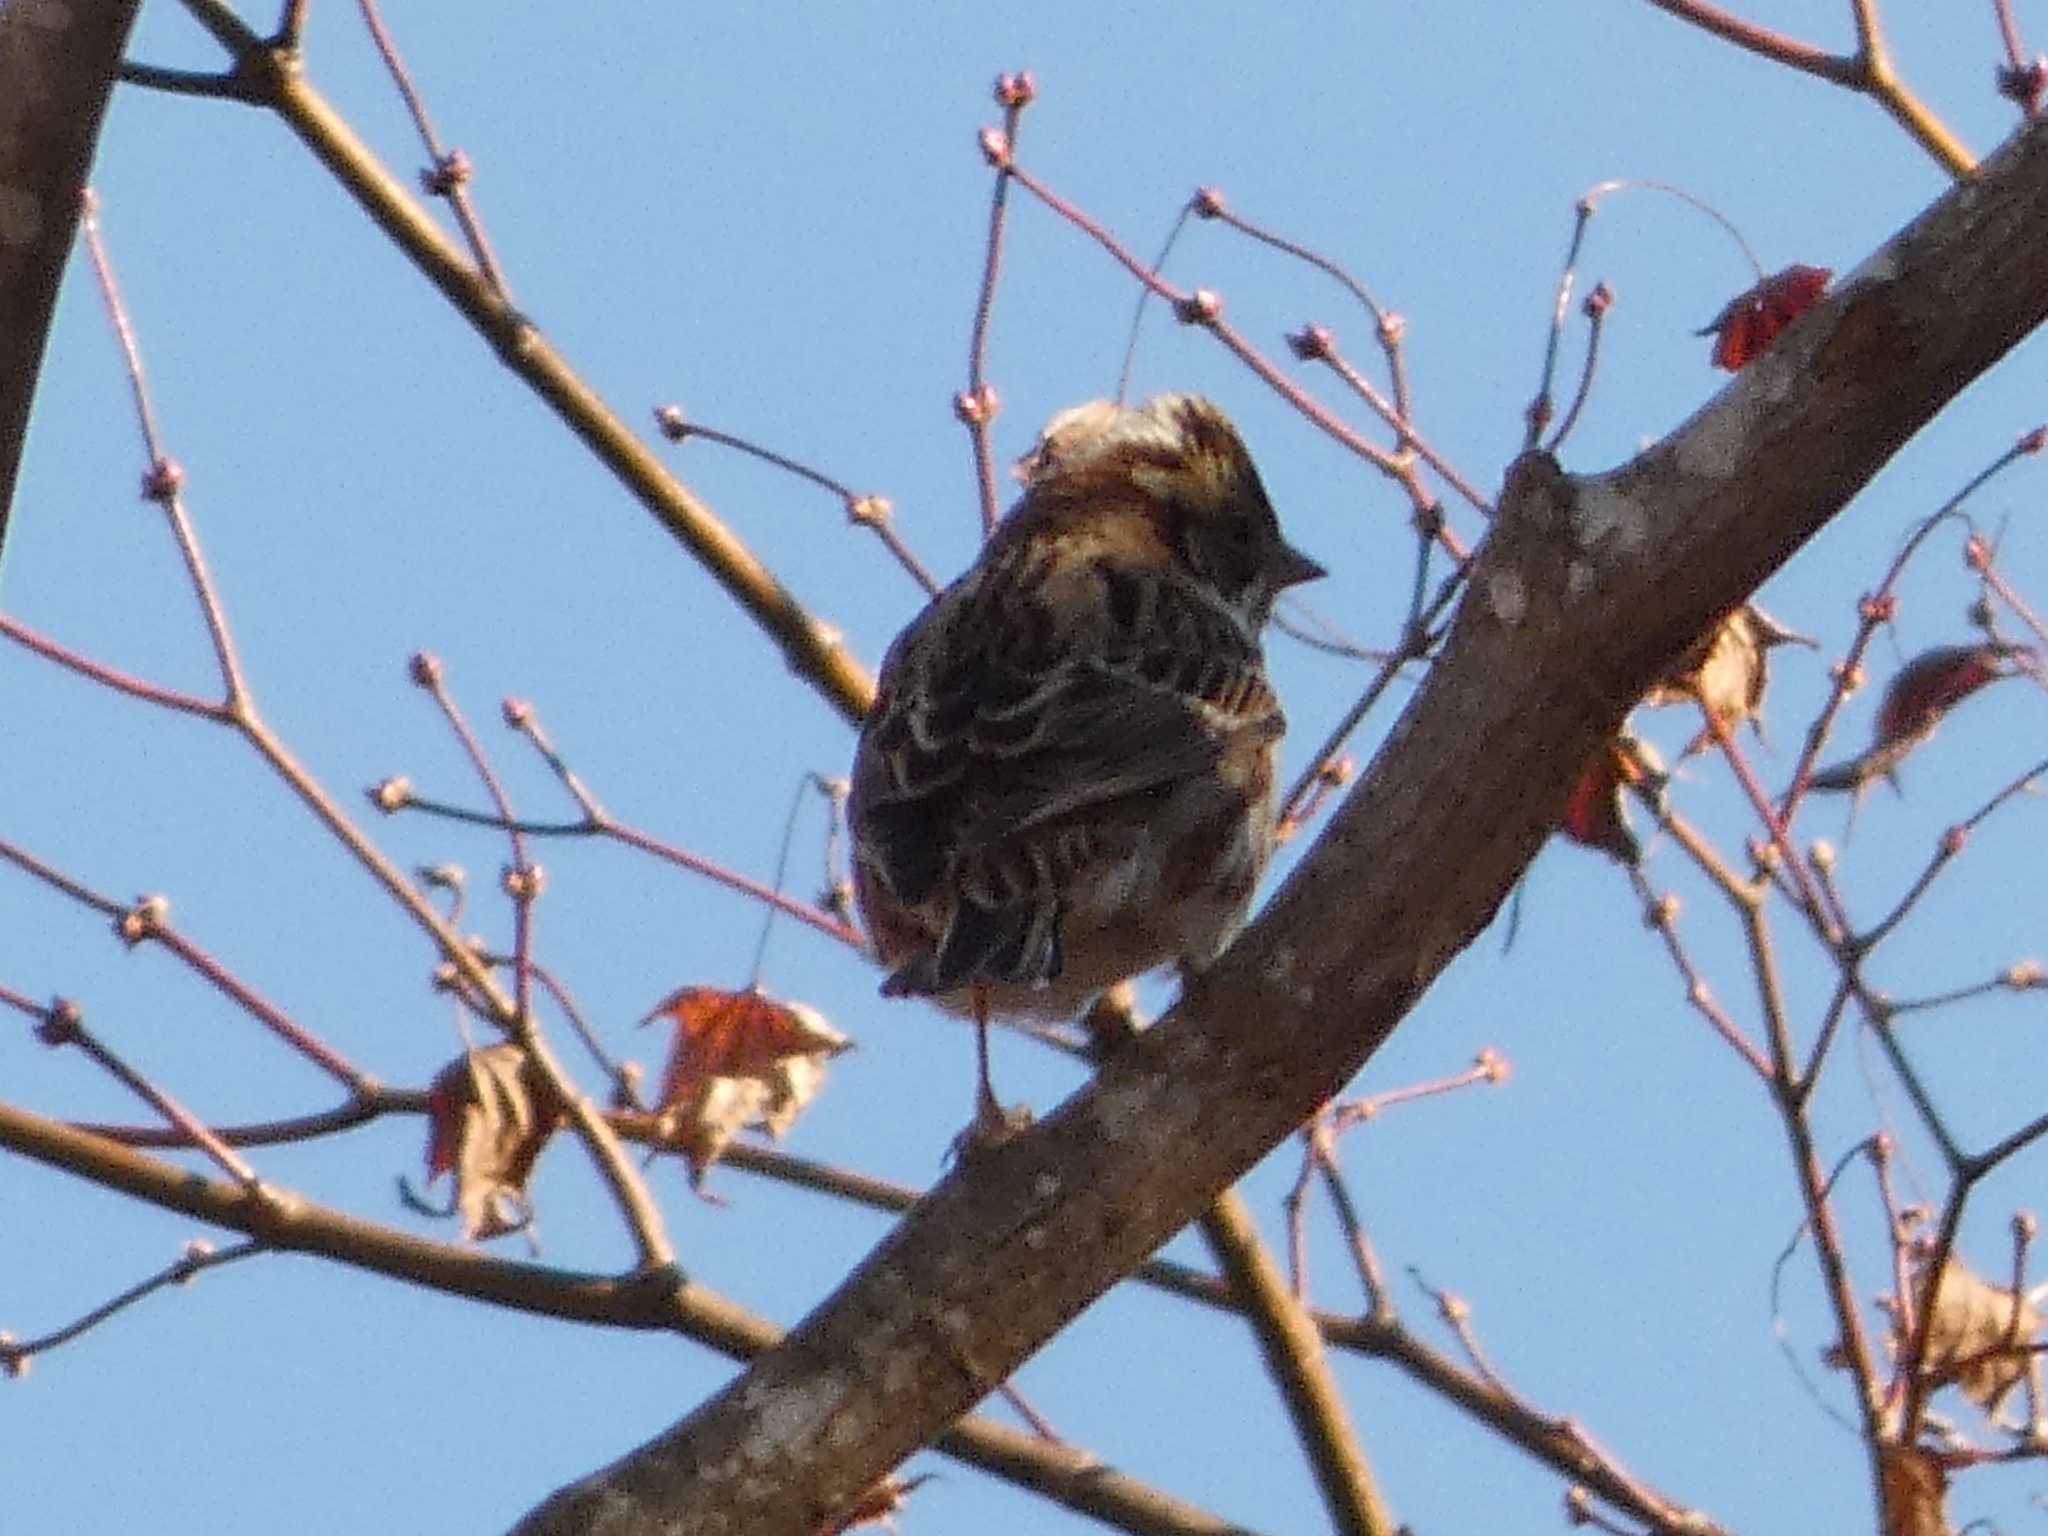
1295 1357
815 651
1588 589
647 1299
1868 71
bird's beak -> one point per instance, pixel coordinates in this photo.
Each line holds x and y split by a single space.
1291 567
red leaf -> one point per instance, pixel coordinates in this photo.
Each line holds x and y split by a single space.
737 1060
1595 812
1752 320
1935 682
1915 702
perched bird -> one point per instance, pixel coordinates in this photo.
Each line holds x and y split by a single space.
1067 776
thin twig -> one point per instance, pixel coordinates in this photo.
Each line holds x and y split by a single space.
874 513
630 1191
1316 343
162 481
1415 642
449 171
109 677
63 1024
147 919
218 85
816 652
1388 328
1598 302
1202 307
390 799
1660 916
197 1257
976 405
1868 71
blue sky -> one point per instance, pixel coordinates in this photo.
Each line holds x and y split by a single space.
772 216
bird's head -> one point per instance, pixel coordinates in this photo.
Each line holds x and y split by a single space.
1195 486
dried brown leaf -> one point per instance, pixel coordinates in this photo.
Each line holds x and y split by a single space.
1727 670
489 1113
1980 1336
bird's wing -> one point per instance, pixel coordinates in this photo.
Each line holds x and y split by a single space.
1018 739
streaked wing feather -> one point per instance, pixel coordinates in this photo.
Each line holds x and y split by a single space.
1002 736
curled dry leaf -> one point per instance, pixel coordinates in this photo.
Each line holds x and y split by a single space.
1595 813
489 1113
1915 702
1753 319
1726 671
738 1061
1981 1338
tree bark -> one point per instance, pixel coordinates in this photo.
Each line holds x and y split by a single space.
1587 588
57 64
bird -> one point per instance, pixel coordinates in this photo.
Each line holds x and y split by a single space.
1067 777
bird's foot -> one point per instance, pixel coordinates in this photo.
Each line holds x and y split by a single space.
993 1125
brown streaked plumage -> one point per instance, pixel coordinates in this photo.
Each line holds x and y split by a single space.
1067 776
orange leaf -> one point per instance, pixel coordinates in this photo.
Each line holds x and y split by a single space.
737 1060
1752 320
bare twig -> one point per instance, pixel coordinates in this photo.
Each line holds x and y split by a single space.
148 920
62 1023
448 172
1389 329
396 794
196 1259
815 651
1868 71
1202 307
862 511
976 406
1598 302
522 884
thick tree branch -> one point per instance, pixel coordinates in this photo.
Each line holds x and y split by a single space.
1587 590
57 63
651 1299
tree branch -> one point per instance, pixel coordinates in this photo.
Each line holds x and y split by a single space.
1588 589
1293 1348
814 650
649 1299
